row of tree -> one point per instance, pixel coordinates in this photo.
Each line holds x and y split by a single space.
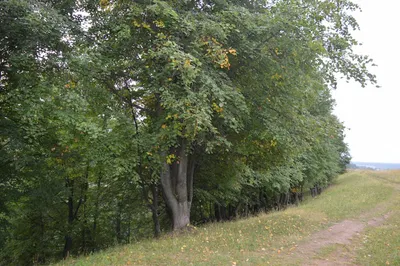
120 119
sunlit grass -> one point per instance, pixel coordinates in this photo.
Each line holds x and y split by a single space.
262 240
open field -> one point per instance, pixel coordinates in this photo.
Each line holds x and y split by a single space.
354 222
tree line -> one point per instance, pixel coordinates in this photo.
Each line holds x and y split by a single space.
124 119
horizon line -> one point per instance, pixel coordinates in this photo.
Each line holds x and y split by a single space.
373 162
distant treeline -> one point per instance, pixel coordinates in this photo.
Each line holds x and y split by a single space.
373 166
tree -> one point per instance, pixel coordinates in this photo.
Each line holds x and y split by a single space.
180 67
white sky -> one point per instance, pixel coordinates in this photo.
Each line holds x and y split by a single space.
372 114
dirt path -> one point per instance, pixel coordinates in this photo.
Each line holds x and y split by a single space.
332 246
335 241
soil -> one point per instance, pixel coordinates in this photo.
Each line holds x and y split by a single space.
337 239
339 236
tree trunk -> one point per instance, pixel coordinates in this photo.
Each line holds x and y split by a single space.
128 240
217 209
223 212
67 246
118 221
84 229
181 217
154 210
68 238
178 186
96 213
73 212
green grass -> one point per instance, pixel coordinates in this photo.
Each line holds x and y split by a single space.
262 240
352 194
381 245
328 251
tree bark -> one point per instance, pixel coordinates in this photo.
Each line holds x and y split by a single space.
73 211
190 180
154 210
118 221
96 212
177 187
68 238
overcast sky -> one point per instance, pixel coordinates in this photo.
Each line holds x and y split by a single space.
372 114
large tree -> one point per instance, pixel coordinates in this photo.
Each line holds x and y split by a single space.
197 72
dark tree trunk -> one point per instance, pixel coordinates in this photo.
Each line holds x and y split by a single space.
217 210
301 194
96 213
210 211
84 229
70 202
286 197
313 191
296 198
237 209
278 202
231 211
73 212
128 240
67 246
118 222
224 217
154 210
263 202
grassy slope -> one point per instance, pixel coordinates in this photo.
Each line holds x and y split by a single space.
271 238
381 245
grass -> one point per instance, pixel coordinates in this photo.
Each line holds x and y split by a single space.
268 238
328 251
353 194
381 245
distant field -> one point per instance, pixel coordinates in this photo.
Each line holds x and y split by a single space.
354 222
383 166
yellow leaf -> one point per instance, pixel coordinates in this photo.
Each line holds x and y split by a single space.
232 51
135 23
187 63
159 23
104 3
145 25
